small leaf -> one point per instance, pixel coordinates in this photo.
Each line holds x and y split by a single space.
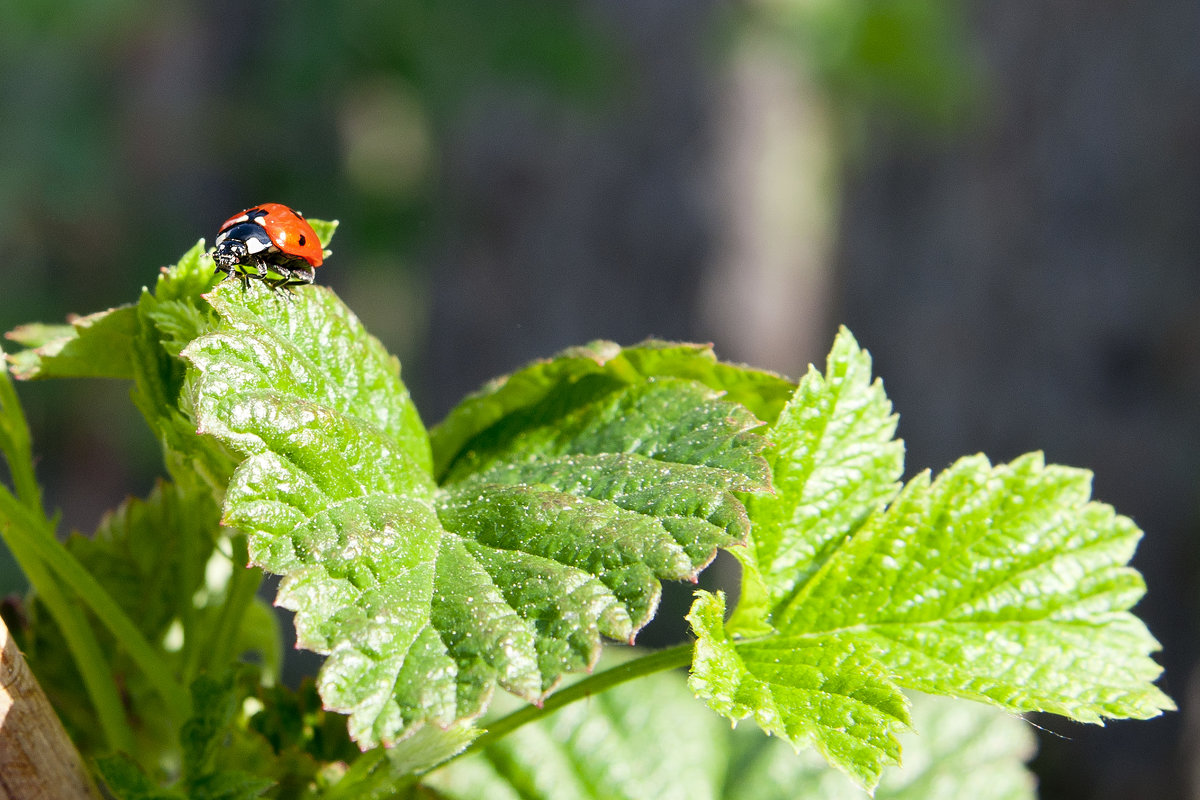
204 738
150 554
324 229
94 346
834 462
809 690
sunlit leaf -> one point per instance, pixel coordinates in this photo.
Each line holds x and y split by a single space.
425 598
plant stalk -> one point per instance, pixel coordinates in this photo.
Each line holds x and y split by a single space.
45 548
671 658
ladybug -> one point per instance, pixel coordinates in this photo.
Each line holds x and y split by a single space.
271 243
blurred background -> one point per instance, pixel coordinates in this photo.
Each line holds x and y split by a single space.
1002 201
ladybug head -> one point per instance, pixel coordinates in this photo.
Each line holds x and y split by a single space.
243 243
230 253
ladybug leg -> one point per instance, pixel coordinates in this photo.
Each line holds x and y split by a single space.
222 268
260 273
230 273
293 276
282 281
242 277
303 275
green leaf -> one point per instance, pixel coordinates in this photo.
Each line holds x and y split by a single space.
549 388
956 750
1002 584
94 346
125 780
335 494
15 444
426 598
834 462
214 703
324 229
648 739
808 690
151 556
208 737
645 740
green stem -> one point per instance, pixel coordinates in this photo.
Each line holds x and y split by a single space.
671 658
98 680
20 455
21 521
43 547
243 584
364 778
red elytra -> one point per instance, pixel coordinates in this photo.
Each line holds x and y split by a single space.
288 229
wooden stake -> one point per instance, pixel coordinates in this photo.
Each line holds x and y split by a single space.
37 760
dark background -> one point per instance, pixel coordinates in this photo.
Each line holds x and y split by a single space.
1002 200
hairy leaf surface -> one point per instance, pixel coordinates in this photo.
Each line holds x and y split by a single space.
547 390
1004 584
834 462
808 690
427 597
